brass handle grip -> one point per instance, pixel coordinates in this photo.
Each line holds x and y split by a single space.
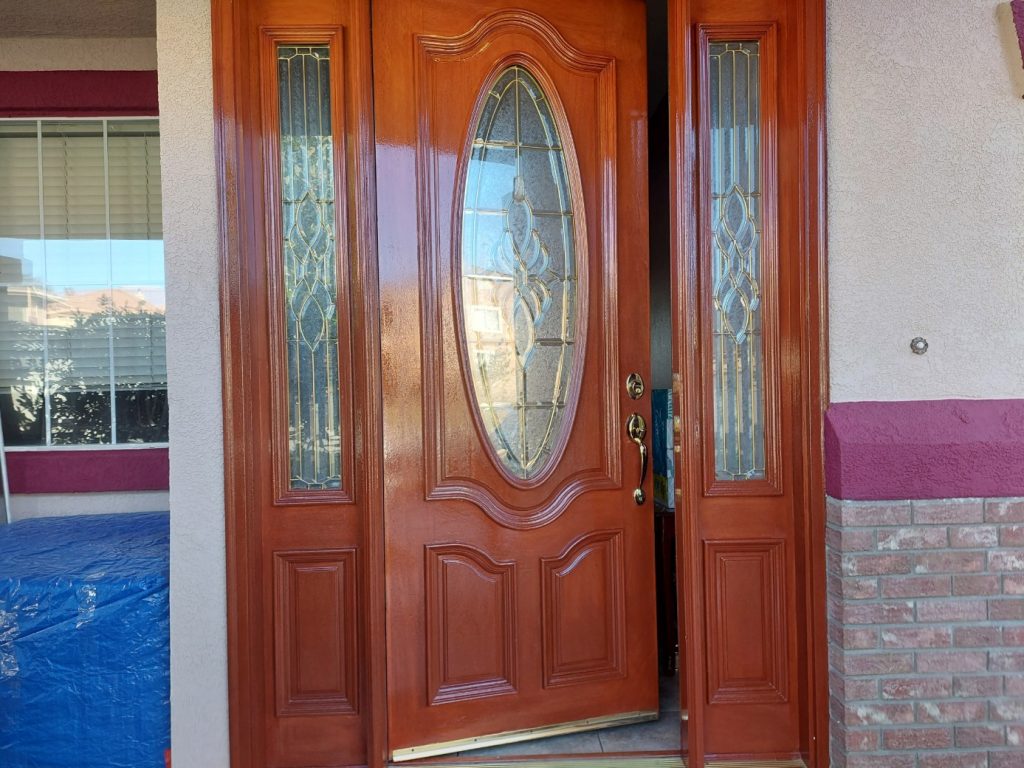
636 429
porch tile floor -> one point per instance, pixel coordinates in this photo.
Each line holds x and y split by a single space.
661 734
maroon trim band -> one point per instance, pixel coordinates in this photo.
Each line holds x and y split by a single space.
935 449
85 471
78 93
1017 6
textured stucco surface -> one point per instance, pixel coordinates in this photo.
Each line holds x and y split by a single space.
75 18
926 199
199 712
931 449
24 506
34 53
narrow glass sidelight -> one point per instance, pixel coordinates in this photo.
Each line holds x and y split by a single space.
310 261
736 260
519 274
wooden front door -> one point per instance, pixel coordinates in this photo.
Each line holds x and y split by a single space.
511 174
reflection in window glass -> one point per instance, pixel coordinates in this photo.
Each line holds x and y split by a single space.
519 273
736 223
310 267
82 332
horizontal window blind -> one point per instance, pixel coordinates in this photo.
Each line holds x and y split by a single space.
82 332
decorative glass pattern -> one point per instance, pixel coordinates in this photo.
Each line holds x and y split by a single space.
736 224
519 279
310 267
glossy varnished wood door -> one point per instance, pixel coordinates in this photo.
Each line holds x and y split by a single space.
514 304
301 389
746 93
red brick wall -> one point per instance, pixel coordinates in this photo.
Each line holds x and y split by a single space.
926 633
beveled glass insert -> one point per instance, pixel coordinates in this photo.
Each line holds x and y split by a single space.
310 261
519 275
736 224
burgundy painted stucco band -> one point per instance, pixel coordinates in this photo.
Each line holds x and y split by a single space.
78 93
934 449
84 471
1017 6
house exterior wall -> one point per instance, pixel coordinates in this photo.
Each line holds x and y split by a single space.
199 706
926 188
68 53
925 563
926 643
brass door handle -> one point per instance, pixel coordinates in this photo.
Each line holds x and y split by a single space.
636 429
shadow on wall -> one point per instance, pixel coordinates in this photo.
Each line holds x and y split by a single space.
1013 45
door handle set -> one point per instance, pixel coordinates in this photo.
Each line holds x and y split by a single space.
636 430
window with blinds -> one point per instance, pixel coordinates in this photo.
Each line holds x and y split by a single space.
82 351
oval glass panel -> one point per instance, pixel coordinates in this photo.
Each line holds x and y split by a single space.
519 274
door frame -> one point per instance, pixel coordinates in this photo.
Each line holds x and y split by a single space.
232 53
686 366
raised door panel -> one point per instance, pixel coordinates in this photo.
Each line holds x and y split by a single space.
583 611
471 621
316 653
746 628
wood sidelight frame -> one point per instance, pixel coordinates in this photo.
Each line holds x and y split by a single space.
687 37
254 482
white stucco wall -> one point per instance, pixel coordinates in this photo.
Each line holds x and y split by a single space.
41 53
199 711
926 199
27 505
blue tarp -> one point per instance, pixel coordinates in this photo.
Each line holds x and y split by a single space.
84 642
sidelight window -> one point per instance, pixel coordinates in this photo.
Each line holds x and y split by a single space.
310 263
736 246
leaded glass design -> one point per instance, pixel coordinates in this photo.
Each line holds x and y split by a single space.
310 267
736 223
519 277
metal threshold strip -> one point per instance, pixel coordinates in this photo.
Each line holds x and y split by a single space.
593 761
600 761
527 734
621 761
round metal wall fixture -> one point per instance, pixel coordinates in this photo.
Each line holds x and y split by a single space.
919 345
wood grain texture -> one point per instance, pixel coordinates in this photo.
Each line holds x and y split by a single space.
744 592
